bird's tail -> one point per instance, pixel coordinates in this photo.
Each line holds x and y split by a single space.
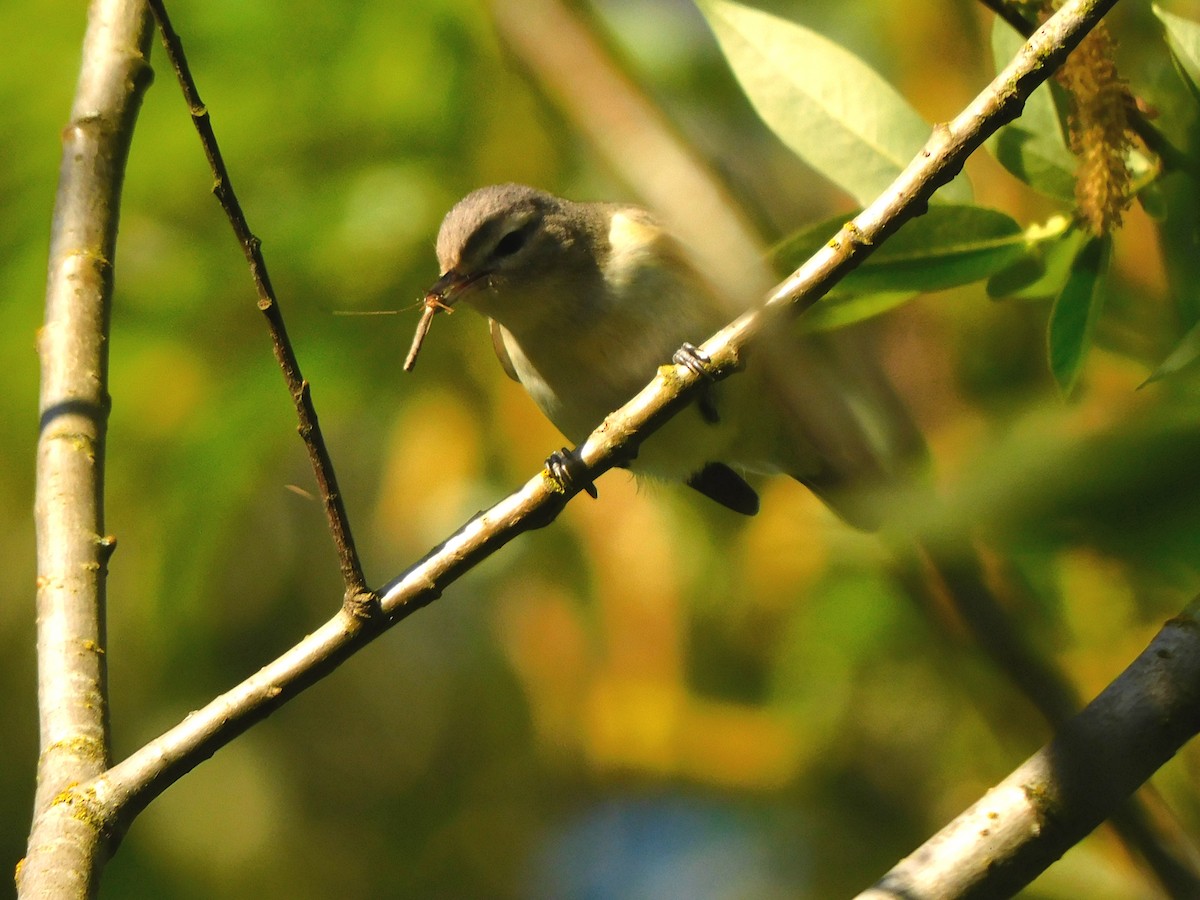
842 405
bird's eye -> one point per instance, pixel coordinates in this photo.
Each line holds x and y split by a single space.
512 242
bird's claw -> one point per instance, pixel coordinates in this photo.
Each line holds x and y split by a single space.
569 471
692 357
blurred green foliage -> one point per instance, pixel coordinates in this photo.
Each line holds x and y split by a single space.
647 699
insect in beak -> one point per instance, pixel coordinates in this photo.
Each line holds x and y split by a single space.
432 303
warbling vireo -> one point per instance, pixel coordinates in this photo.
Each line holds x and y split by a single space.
586 300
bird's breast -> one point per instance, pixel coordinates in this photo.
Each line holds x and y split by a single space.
577 380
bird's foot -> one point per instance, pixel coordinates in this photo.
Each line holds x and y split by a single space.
692 357
568 470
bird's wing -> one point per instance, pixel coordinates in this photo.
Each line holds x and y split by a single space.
506 362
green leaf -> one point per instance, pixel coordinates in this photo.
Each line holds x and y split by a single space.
826 104
1076 309
1033 148
947 247
1153 200
1183 37
1044 270
1186 352
839 310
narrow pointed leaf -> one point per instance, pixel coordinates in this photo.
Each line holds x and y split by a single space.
1073 317
1186 352
840 310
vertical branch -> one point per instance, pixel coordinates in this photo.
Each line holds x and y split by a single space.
357 598
72 549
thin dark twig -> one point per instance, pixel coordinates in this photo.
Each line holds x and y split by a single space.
1010 14
357 595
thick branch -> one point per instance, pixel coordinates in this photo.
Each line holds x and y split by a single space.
1070 786
955 567
63 855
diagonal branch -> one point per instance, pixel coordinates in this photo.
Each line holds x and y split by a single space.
1070 786
357 597
72 547
131 784
956 568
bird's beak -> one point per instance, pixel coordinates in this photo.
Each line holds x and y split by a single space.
442 294
448 289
